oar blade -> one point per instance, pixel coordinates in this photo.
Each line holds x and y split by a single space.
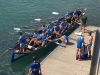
55 13
37 20
18 29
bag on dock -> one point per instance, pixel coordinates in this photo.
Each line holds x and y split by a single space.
84 54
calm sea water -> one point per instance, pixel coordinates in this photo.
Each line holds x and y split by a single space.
17 13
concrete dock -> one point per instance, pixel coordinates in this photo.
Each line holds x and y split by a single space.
62 60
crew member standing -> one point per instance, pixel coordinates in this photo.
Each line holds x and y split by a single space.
22 41
80 41
35 67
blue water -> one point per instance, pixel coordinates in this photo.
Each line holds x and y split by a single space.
17 13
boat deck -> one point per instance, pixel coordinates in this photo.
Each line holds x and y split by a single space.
62 60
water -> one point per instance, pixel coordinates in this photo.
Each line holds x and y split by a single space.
17 13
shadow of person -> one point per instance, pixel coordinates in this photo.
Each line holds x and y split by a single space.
70 43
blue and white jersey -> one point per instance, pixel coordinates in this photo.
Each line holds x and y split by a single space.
76 13
50 26
56 29
22 40
79 42
35 35
63 25
68 16
42 36
35 68
48 32
43 30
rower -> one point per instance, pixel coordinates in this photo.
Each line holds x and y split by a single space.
34 38
48 34
64 39
41 41
63 26
22 41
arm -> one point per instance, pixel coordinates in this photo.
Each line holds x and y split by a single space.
30 69
40 70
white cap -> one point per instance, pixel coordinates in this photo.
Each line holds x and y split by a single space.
80 34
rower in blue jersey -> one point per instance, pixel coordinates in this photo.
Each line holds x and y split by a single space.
35 67
42 41
75 13
50 26
64 39
48 34
80 41
43 29
63 26
57 30
68 15
22 41
57 21
34 38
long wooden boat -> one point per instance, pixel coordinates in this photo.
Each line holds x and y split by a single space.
41 52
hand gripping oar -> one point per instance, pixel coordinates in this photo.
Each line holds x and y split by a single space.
5 52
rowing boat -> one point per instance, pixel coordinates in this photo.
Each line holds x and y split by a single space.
41 52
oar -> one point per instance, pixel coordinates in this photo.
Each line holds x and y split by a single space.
18 29
54 13
5 52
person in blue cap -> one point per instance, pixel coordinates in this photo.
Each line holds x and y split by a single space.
22 41
35 67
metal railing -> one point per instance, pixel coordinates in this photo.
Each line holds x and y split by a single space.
95 63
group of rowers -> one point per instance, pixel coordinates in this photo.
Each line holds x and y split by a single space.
54 30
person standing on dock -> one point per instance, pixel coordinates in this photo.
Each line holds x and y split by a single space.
35 67
83 20
90 43
22 41
80 41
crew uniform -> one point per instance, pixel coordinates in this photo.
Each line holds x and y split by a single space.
35 68
63 25
42 38
79 42
22 40
35 35
48 33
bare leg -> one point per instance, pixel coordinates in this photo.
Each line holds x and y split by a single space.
32 40
77 52
21 49
89 50
80 54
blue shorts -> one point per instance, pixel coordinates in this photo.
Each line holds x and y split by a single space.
42 41
79 46
89 45
22 44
